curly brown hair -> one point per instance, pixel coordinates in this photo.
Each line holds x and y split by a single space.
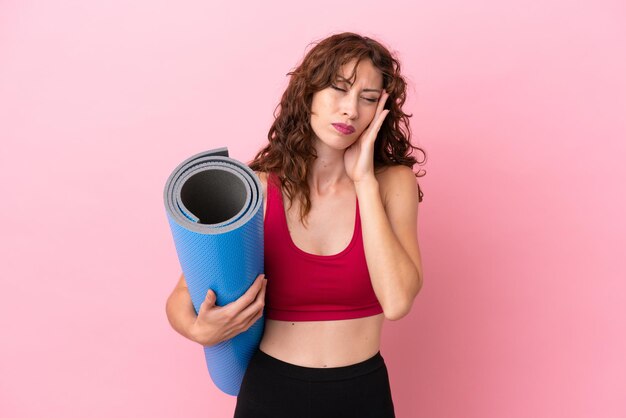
290 151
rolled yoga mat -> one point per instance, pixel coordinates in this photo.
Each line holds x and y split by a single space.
214 206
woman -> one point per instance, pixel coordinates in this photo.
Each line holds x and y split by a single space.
341 249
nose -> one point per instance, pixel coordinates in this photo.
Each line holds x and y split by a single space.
349 106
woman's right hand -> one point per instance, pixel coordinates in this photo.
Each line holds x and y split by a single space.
215 324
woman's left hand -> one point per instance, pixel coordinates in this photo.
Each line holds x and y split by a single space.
359 157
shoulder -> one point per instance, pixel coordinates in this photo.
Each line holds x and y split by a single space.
397 181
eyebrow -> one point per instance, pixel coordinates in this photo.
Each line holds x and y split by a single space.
345 80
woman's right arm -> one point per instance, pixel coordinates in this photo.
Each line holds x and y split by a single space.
213 323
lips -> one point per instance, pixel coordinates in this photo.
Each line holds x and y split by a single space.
343 128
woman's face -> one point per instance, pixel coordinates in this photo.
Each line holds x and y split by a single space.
342 111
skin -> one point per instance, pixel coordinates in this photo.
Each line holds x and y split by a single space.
343 171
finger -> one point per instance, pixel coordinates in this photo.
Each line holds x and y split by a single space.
254 308
380 108
208 302
258 314
252 320
381 102
374 128
247 298
381 119
233 332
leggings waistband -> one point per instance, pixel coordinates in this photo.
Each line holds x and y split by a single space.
317 374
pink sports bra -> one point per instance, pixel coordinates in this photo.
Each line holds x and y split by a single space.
310 287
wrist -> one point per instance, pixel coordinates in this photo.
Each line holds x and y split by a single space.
366 185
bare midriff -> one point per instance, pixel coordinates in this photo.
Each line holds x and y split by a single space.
323 343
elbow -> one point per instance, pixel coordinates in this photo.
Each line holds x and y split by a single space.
168 309
397 311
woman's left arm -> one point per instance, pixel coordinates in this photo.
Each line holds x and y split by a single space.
388 210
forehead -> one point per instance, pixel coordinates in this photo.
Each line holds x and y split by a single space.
366 73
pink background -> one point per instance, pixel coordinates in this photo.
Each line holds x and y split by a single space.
520 105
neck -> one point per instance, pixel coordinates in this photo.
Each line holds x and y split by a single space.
328 170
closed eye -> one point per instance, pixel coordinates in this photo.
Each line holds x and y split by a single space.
365 98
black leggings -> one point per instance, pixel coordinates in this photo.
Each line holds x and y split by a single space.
272 388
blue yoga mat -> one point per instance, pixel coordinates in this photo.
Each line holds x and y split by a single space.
214 206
